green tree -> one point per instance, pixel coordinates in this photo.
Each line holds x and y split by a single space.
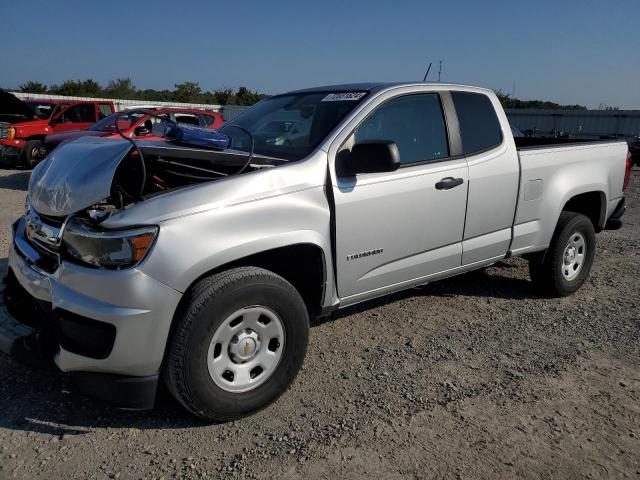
77 88
91 88
187 92
508 102
150 94
120 88
68 87
244 96
224 96
33 87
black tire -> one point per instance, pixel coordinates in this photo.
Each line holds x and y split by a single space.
31 153
546 269
207 305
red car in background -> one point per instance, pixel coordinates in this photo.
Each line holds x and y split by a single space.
136 124
24 124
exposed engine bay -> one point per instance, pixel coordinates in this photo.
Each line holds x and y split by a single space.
94 177
168 167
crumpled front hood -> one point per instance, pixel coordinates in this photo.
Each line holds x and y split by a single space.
76 175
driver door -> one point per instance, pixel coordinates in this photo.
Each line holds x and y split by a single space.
398 228
75 117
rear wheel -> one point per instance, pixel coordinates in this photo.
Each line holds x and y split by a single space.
238 344
31 153
565 266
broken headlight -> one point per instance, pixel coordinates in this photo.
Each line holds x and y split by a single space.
114 249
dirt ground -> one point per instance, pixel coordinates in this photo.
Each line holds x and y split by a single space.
472 377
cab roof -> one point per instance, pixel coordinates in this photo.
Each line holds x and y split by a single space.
375 87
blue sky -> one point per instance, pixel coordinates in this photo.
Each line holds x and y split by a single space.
569 51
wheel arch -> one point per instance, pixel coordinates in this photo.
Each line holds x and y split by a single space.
592 204
35 137
304 265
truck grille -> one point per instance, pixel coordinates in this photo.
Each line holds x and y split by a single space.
34 253
41 238
4 130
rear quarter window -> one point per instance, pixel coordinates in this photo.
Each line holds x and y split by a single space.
104 110
208 120
479 126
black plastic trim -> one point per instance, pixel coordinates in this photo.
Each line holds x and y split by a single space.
560 142
332 232
85 336
428 162
131 393
453 125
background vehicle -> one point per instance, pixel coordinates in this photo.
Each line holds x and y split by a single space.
136 124
516 133
24 124
212 286
634 148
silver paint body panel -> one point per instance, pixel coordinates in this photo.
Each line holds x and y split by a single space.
424 234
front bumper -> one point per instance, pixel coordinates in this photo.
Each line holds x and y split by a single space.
135 307
9 152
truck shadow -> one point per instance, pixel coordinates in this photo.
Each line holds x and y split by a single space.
15 181
45 401
492 282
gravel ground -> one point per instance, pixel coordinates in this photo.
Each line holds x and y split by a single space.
472 377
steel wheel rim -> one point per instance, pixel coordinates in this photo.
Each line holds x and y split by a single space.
246 349
574 255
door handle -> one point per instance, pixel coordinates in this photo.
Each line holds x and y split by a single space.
449 183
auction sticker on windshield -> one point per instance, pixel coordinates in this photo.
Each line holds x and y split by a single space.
344 97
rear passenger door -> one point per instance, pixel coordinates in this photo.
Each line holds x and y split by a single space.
396 228
493 176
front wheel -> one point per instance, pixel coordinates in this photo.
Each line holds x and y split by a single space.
238 343
566 264
31 153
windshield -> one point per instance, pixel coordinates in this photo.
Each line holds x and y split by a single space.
43 110
291 126
108 124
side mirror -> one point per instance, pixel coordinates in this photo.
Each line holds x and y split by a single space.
56 121
370 156
141 131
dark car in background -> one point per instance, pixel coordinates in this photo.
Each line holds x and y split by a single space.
634 149
136 124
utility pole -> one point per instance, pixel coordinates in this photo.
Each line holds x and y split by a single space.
440 71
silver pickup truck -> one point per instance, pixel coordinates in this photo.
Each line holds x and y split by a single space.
140 261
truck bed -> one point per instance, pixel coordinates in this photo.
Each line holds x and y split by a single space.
552 171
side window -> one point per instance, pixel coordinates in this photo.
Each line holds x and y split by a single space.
208 120
83 113
479 126
414 122
104 110
188 118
